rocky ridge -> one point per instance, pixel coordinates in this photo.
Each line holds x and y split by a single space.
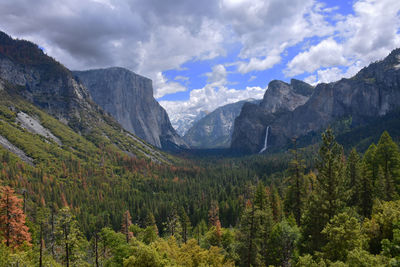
370 94
280 98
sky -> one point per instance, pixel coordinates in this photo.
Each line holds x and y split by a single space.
205 54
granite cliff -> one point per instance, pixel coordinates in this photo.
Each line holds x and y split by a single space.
128 97
279 99
372 93
27 72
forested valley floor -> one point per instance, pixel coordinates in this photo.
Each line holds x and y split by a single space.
324 205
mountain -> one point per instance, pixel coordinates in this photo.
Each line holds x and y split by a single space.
216 128
33 77
371 94
128 97
251 125
183 120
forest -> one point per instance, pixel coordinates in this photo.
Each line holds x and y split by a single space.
324 205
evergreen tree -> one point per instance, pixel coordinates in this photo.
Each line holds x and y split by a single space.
388 157
70 237
186 225
353 177
255 228
343 234
366 192
126 222
295 192
12 219
276 203
283 242
173 226
330 194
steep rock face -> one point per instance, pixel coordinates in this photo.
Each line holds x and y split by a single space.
128 97
216 128
279 99
45 82
27 72
373 92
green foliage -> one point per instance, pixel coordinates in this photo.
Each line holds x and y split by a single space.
99 182
384 217
329 196
388 158
391 248
343 234
283 243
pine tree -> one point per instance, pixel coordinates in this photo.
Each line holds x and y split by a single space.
12 219
126 222
172 226
70 237
329 195
388 157
151 222
186 225
276 203
255 228
264 216
295 192
353 177
330 189
366 192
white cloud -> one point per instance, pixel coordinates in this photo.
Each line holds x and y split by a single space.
207 99
165 87
256 64
265 26
368 35
252 78
333 74
218 76
325 54
181 78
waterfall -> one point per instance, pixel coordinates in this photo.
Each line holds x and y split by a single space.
265 141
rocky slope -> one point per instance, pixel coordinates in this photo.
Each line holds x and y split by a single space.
251 125
216 128
128 97
25 71
371 94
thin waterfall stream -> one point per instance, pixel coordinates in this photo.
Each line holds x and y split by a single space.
265 141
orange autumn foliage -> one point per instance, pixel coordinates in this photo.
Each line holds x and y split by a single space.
13 230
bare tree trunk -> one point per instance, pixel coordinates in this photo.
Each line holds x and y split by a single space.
96 249
41 245
66 245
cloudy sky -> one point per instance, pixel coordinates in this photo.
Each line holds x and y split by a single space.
203 54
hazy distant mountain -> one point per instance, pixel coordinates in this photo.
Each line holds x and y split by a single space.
215 129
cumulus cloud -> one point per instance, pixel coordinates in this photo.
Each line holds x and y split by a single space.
153 36
365 36
165 87
147 37
265 26
150 37
325 54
